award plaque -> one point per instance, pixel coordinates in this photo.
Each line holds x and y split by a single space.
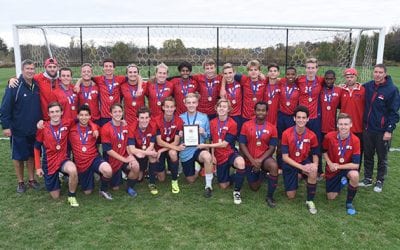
191 135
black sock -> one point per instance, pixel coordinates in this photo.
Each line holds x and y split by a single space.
272 184
311 188
351 193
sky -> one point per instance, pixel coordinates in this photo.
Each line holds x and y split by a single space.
337 12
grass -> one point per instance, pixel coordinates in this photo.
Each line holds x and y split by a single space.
189 221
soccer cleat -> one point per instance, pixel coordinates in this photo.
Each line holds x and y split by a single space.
350 209
237 199
106 195
311 207
175 187
208 192
366 182
131 192
21 188
153 189
378 186
73 202
271 202
34 184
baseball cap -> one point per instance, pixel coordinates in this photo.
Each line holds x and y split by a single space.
350 71
50 61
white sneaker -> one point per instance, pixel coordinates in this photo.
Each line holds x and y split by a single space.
311 207
106 195
236 197
378 186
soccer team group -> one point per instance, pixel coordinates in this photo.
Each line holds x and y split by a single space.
252 126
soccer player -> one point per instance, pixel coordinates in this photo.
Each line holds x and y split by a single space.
158 89
258 140
298 143
225 155
133 99
192 154
272 93
183 85
65 95
19 113
169 126
89 92
380 118
83 137
114 139
54 137
330 100
342 155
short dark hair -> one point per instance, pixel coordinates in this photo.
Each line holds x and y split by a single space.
168 99
65 69
301 108
344 116
26 62
261 103
142 110
330 72
116 105
381 65
109 60
273 65
185 64
54 104
291 68
84 107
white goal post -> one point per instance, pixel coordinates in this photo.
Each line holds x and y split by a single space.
148 44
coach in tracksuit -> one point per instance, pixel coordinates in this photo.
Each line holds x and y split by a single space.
382 103
19 113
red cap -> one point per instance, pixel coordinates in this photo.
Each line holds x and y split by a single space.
350 71
50 61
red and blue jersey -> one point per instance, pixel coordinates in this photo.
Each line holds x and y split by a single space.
132 102
156 93
209 93
253 92
181 89
110 93
299 146
234 95
309 93
330 100
168 129
223 131
288 97
68 101
89 95
143 138
272 94
352 102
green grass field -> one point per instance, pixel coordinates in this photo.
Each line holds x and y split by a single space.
187 220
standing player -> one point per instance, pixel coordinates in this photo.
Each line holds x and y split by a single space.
225 155
54 137
330 100
342 155
258 140
272 93
65 95
298 143
83 137
114 139
190 155
183 85
89 92
19 113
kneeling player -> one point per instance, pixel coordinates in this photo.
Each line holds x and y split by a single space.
298 143
342 156
258 140
223 136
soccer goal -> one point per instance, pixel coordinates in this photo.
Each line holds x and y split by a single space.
148 44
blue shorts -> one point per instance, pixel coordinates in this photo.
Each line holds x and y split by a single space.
188 166
116 178
223 170
86 179
143 163
315 126
334 184
290 176
284 122
22 147
52 182
255 176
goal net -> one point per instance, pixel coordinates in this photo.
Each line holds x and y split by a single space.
150 44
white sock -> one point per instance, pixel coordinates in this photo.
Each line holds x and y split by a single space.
209 178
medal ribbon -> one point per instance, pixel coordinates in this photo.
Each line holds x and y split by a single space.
160 95
84 137
342 150
56 134
110 87
299 143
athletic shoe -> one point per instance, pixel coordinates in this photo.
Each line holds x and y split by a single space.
34 184
236 197
131 192
175 187
350 209
153 189
311 207
271 202
378 186
207 192
366 182
73 202
21 188
106 195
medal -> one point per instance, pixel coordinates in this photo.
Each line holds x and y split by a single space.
84 149
297 153
87 104
119 145
269 102
258 143
328 108
341 160
309 99
209 98
288 104
134 103
233 101
255 99
73 107
343 148
168 139
159 103
111 97
144 147
58 147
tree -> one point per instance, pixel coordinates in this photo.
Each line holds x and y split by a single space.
174 47
120 52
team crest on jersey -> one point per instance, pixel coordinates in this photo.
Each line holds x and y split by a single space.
382 97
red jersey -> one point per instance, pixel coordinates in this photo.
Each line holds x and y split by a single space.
89 95
224 131
234 95
110 92
209 93
142 139
132 102
258 138
252 93
272 98
181 89
347 149
46 88
68 100
83 145
54 140
168 130
330 100
288 97
117 138
156 93
309 94
352 102
299 146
